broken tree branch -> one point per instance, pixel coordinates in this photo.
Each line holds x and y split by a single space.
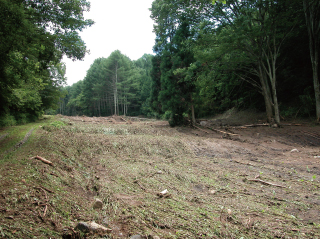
143 188
44 160
45 211
250 125
201 129
267 183
223 132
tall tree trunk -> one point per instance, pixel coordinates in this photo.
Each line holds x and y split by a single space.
193 117
273 79
311 10
275 102
116 107
266 94
315 68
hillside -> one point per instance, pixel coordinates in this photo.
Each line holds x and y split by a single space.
223 179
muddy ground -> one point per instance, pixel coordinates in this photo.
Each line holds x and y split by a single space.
230 177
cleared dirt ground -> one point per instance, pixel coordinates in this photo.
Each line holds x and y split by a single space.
231 177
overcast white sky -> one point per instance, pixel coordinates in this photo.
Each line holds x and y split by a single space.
123 25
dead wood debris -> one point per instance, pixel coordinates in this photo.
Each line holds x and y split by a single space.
266 183
43 160
202 129
223 132
46 205
137 182
216 130
43 188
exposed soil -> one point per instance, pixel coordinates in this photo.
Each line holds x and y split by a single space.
227 178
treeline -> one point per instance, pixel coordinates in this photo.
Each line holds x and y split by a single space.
212 56
34 36
113 86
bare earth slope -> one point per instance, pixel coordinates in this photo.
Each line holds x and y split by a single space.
223 180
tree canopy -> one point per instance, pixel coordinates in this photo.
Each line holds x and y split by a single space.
235 44
34 36
113 86
210 56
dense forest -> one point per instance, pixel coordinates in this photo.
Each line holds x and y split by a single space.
210 56
34 36
113 86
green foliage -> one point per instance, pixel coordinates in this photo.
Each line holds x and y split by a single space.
245 56
7 120
173 80
222 1
175 120
34 36
113 85
210 56
57 124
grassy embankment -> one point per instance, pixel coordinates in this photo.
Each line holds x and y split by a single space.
126 166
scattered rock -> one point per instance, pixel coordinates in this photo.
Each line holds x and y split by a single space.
136 237
159 172
164 194
212 191
156 237
294 151
98 204
203 123
92 227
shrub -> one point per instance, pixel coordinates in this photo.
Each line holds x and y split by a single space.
7 120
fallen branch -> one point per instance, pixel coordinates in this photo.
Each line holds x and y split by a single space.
254 125
267 183
243 163
44 160
201 129
43 188
291 124
45 211
52 173
137 182
45 194
46 205
223 132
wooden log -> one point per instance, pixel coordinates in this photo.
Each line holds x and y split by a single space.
267 183
252 125
201 129
223 132
44 160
